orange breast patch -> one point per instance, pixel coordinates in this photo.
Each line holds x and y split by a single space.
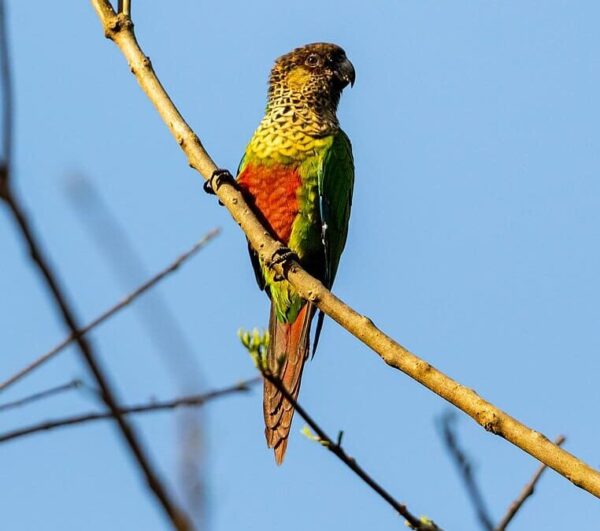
273 190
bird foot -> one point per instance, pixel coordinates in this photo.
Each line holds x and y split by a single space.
215 181
284 256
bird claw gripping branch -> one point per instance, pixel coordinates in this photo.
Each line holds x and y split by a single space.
283 256
216 180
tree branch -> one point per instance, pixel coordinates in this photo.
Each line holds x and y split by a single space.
124 7
336 448
175 515
126 301
177 518
257 344
74 384
7 105
527 491
187 401
466 471
164 332
120 30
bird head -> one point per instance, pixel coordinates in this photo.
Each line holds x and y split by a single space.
312 75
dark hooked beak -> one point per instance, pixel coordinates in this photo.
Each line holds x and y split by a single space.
346 73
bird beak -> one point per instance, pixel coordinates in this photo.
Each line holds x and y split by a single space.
346 73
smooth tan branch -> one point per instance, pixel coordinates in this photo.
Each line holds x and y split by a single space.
119 29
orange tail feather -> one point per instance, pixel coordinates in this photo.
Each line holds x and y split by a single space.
288 350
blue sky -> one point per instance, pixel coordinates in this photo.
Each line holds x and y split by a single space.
473 241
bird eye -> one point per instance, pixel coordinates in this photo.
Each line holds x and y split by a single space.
312 60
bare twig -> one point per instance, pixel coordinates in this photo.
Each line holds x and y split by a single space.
527 491
74 384
337 449
124 7
177 518
187 401
175 515
119 29
162 328
466 471
7 105
173 266
160 325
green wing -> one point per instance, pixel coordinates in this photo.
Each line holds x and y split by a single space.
336 182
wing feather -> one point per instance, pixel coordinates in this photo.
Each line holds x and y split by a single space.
336 183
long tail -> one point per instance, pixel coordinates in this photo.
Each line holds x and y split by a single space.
288 350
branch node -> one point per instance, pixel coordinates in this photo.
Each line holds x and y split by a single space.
311 296
490 421
116 24
367 321
111 27
423 367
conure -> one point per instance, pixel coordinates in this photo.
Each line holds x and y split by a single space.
298 173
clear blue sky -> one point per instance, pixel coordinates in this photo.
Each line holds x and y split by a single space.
474 241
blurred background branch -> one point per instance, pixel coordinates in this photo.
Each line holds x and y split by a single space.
64 308
465 469
159 324
110 312
527 491
41 395
466 472
152 407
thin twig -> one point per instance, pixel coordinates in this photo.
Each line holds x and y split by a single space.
124 6
74 384
187 401
350 462
128 299
161 327
178 519
7 104
527 491
175 515
119 29
466 471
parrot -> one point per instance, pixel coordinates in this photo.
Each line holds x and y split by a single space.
297 173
